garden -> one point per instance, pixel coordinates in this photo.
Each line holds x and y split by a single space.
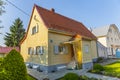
112 69
12 67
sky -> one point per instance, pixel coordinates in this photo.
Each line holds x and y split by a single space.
92 13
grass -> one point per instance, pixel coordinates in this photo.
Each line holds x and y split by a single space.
113 69
31 78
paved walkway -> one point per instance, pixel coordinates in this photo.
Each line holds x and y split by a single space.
100 76
55 75
109 61
61 73
58 74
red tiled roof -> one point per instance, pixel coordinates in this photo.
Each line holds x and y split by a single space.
56 21
5 50
59 22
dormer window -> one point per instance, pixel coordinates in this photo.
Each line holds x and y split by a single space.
35 29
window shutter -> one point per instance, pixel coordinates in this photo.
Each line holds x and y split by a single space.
66 49
37 28
35 50
41 50
56 49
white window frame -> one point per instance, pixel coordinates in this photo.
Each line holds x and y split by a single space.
41 50
86 48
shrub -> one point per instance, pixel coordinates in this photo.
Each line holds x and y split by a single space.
100 59
70 76
15 67
97 68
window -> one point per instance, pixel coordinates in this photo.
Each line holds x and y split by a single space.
86 48
56 49
60 49
30 50
40 50
35 29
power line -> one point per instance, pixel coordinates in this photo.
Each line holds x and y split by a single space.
17 8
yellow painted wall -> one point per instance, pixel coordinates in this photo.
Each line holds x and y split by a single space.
94 49
38 39
87 57
58 58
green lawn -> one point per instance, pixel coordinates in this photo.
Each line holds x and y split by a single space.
113 69
30 78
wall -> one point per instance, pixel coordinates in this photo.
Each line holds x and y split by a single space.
87 52
103 40
102 50
56 40
38 39
94 49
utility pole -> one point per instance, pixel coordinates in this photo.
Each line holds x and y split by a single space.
0 28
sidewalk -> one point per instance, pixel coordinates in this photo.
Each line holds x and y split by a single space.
61 73
101 76
55 75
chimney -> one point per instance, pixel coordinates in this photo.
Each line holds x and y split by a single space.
52 9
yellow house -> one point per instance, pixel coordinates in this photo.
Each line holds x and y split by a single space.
54 42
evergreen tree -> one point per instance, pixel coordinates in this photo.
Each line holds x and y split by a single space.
14 67
17 32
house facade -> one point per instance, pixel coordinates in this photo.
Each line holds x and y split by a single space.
102 50
109 37
54 41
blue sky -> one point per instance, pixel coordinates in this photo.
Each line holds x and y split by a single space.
92 13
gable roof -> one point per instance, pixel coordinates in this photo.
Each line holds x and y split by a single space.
56 21
4 50
102 31
59 22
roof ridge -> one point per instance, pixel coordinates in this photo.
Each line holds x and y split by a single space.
59 14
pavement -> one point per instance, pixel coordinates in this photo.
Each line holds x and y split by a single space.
61 73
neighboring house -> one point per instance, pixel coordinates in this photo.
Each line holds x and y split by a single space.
102 50
5 50
53 41
109 36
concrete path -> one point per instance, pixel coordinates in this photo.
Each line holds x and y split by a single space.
100 76
61 73
55 75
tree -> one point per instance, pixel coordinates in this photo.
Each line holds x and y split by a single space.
14 66
17 32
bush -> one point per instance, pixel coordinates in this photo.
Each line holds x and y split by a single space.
87 78
97 68
100 59
70 76
14 65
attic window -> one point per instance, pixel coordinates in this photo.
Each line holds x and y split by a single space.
35 29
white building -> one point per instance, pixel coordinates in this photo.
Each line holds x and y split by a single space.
108 36
102 50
